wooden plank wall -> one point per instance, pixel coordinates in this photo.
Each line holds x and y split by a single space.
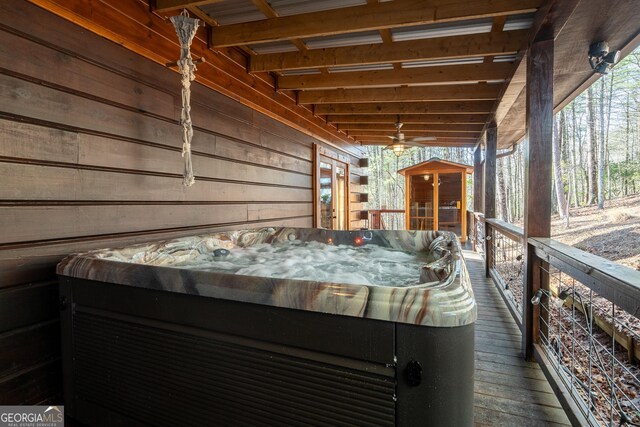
90 157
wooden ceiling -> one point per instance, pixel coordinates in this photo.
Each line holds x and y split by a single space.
445 68
439 65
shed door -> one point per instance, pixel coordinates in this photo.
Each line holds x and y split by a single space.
450 202
422 202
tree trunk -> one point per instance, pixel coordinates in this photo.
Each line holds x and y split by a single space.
574 177
592 175
601 147
605 142
502 191
557 168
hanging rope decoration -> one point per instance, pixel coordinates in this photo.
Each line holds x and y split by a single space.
186 28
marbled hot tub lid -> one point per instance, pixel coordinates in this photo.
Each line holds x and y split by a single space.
441 296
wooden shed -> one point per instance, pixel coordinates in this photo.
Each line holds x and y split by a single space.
437 207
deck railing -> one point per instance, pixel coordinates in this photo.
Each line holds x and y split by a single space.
475 225
395 219
585 331
505 261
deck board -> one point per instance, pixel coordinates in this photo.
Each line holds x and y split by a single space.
509 391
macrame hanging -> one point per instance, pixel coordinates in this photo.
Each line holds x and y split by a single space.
186 28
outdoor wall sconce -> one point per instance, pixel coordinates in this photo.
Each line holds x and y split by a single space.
600 58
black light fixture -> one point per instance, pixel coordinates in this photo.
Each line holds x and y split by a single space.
600 58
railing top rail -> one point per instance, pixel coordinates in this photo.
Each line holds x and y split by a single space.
615 282
509 230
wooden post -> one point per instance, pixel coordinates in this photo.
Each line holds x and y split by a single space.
537 179
477 191
477 180
489 190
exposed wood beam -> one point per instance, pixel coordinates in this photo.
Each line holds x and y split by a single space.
374 16
440 107
150 36
474 92
414 50
269 12
440 143
384 138
411 134
411 118
163 6
423 75
549 20
348 127
265 8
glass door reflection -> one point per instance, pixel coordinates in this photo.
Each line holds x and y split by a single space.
326 195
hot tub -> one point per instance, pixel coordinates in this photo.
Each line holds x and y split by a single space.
254 327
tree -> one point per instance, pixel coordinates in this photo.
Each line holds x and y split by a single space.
593 147
557 168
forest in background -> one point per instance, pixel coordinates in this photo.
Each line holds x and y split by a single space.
596 154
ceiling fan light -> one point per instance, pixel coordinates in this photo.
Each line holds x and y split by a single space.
398 149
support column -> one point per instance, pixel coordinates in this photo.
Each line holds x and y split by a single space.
489 190
478 202
537 179
477 192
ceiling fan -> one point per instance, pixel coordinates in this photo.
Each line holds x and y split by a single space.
399 144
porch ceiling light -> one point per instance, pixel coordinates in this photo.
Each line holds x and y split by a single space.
600 58
398 149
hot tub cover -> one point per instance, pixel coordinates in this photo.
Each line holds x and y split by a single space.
444 299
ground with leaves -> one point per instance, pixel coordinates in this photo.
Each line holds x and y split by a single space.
612 233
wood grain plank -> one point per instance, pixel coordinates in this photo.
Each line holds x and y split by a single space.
38 143
33 223
260 212
31 386
522 409
501 419
29 346
28 58
39 102
26 305
37 260
46 183
514 392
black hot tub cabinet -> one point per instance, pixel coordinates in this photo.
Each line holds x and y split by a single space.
147 341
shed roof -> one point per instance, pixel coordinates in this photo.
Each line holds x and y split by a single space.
436 161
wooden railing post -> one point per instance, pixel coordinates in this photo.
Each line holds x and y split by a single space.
489 190
537 180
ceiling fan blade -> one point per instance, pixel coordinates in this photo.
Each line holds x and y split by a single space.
391 136
423 138
412 144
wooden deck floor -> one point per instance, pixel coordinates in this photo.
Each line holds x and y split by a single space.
508 390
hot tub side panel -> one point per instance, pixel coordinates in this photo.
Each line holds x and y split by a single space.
140 356
160 358
435 375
